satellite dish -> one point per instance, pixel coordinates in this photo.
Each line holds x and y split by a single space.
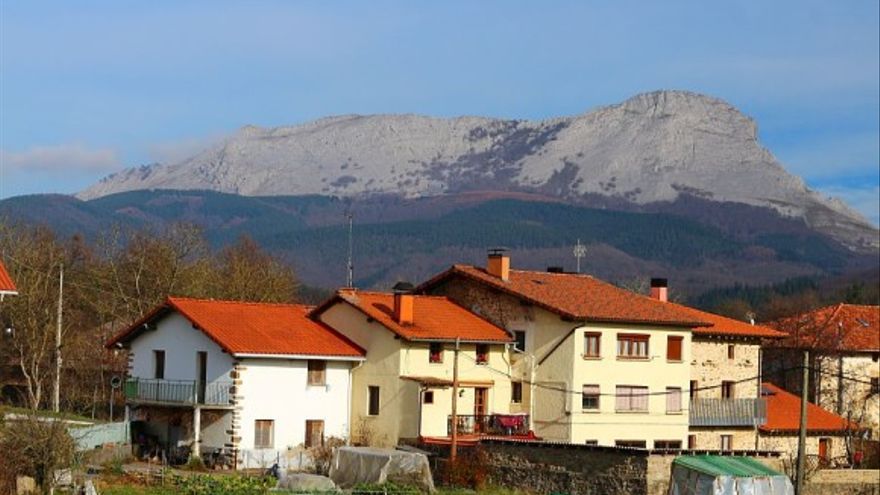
116 381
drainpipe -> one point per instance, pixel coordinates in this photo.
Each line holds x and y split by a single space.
348 398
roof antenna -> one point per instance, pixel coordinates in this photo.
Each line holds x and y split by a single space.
580 251
350 266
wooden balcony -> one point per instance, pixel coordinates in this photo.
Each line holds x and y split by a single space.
178 392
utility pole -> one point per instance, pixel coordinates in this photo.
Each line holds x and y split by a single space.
350 267
802 434
56 389
453 447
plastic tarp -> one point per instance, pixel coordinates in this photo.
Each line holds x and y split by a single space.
717 475
308 483
353 465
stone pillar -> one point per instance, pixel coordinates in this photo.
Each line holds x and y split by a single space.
197 431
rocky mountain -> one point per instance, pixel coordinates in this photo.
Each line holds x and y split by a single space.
652 149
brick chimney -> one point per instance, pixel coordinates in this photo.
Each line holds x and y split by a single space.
498 264
404 301
659 289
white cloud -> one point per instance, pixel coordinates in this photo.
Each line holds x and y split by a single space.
61 158
865 200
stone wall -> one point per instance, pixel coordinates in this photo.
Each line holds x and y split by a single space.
543 467
844 481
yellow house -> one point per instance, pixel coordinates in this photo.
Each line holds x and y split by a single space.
598 364
404 389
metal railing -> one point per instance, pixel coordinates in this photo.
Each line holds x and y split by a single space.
728 412
490 424
178 391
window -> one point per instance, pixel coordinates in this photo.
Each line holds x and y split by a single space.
673 400
591 344
692 442
673 348
726 442
693 389
482 354
590 398
731 351
638 444
264 434
631 399
373 400
667 444
435 353
159 365
314 432
428 398
875 385
317 372
520 337
727 390
516 392
591 442
631 346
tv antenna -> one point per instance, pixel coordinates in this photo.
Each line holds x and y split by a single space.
579 252
350 265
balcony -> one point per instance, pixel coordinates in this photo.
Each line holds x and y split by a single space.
178 392
728 412
505 425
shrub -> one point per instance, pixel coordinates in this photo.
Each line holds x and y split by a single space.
34 447
322 455
469 470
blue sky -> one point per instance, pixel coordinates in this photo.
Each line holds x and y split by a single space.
89 87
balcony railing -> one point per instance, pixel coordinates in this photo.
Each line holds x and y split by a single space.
490 424
728 412
178 392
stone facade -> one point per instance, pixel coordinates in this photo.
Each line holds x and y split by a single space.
715 360
841 382
712 364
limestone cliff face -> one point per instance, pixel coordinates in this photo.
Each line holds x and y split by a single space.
652 147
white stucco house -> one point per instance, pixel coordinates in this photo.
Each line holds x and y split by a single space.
258 380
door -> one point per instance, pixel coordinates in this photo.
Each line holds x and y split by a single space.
824 447
480 401
201 376
314 432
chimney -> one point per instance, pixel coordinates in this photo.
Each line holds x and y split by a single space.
659 290
498 264
404 300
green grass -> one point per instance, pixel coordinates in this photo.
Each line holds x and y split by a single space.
42 413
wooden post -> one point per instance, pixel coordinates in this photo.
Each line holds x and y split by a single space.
802 434
453 448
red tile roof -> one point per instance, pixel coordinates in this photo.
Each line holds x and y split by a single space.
728 327
784 413
579 297
253 328
7 286
844 327
434 317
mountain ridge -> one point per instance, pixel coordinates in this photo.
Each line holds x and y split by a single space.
651 148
